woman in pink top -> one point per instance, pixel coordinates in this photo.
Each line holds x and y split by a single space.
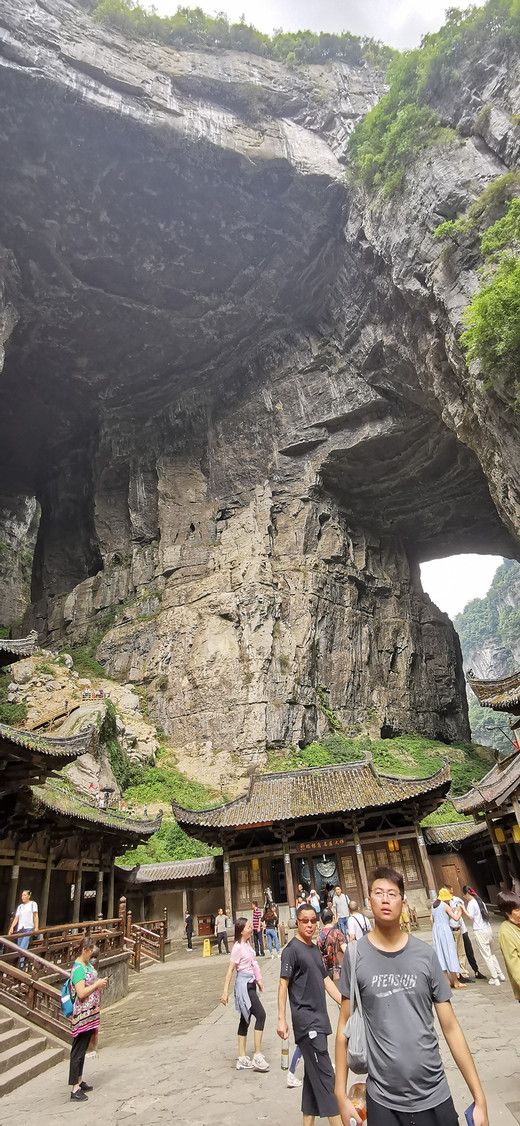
247 1002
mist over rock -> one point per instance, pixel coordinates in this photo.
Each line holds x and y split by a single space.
233 382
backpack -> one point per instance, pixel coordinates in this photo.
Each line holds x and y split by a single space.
354 1030
67 1004
330 951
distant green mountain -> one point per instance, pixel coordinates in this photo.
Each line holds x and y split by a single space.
489 632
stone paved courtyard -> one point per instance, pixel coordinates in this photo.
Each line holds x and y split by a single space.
167 1054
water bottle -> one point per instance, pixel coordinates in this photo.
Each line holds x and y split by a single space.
284 1056
358 1098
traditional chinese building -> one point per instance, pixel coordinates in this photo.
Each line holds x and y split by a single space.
194 885
63 848
495 800
320 827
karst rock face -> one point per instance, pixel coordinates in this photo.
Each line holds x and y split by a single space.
234 384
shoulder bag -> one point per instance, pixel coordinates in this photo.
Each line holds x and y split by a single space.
354 1030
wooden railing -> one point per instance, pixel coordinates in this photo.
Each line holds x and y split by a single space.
151 943
27 994
60 944
134 946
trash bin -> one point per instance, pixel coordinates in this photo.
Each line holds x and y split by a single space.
282 932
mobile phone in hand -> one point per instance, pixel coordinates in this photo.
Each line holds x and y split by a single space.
468 1114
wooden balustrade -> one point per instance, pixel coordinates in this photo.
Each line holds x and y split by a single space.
24 993
152 943
60 944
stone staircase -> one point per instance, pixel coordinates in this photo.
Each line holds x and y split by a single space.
25 1051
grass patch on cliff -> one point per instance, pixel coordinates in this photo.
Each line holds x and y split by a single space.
119 760
164 784
83 655
11 714
169 843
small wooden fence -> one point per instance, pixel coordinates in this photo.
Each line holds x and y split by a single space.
148 938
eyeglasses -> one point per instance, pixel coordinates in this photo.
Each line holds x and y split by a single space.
380 893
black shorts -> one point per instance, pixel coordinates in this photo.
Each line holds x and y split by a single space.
442 1115
318 1098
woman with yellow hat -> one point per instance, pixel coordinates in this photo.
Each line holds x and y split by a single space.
442 937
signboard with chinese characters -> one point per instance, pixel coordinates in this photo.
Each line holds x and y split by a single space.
322 846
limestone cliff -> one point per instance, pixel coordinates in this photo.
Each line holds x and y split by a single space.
234 384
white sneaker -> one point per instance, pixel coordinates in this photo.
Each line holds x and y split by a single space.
244 1063
501 976
259 1062
493 981
292 1080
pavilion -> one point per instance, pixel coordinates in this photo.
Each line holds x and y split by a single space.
495 800
320 827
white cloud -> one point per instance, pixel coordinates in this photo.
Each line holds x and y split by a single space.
452 583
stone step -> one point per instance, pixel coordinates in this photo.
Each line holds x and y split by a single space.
22 1072
6 1023
13 1036
25 1049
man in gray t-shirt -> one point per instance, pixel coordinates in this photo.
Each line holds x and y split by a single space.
400 980
397 992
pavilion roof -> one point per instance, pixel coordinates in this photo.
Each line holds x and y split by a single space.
501 695
173 870
15 649
66 747
456 831
494 789
66 801
27 757
297 794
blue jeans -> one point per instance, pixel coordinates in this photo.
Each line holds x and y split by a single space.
342 924
272 936
23 939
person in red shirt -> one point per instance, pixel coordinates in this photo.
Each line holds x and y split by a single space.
257 929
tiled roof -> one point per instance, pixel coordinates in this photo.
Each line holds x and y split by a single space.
295 794
502 695
495 787
69 747
18 647
175 870
70 803
457 831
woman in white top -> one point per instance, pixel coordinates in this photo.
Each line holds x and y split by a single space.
476 910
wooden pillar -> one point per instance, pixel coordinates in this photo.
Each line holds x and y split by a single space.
428 876
362 869
228 893
78 882
499 855
111 890
44 898
12 895
289 883
99 892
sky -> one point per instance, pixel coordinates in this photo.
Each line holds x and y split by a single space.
399 23
452 583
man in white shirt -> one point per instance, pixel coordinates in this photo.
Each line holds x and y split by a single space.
358 924
25 922
340 903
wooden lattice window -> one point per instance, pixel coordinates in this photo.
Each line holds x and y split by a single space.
349 876
243 895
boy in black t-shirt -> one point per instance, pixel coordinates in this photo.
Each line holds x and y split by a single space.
304 977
